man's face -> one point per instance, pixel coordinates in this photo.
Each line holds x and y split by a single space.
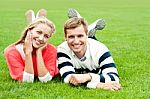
76 39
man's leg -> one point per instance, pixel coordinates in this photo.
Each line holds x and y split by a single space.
99 24
73 13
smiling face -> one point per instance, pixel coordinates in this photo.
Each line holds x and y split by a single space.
76 39
41 29
40 35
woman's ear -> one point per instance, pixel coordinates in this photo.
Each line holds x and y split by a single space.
41 13
30 16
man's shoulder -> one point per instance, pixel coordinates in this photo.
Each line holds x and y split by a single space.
63 47
95 44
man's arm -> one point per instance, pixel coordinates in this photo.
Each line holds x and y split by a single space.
108 71
65 66
107 78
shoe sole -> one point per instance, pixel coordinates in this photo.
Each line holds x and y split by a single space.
100 24
72 13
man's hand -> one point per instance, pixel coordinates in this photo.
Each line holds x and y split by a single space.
77 79
109 86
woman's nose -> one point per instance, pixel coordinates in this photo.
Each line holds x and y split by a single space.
41 37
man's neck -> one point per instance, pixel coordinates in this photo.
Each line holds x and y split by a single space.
82 53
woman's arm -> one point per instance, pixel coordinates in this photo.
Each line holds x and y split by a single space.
43 72
28 75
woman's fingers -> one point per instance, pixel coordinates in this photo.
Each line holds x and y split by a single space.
28 42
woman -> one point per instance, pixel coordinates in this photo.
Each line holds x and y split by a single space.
32 56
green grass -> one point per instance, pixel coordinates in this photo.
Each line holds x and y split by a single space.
127 35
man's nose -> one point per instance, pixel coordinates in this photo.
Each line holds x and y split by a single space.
76 40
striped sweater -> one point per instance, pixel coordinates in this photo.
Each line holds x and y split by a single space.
97 60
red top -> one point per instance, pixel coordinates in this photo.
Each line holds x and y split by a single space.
16 62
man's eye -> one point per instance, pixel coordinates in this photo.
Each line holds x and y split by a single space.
80 35
71 37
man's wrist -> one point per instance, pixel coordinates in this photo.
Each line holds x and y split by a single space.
100 85
90 76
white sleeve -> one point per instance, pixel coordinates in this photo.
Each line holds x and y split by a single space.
45 78
27 77
66 79
94 81
92 84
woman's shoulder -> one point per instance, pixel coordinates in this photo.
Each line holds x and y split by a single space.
9 48
50 48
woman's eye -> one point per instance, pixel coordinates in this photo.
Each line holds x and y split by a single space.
39 32
46 36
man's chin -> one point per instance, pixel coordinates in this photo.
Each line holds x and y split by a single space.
76 51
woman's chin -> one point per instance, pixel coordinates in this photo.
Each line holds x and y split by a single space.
36 46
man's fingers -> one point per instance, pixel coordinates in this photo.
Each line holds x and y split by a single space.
73 80
116 86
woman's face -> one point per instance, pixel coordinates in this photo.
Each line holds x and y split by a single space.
40 35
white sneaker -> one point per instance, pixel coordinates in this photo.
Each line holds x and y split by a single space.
73 13
30 16
97 25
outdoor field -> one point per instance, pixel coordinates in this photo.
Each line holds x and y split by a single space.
127 35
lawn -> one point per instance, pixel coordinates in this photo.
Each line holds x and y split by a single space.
127 35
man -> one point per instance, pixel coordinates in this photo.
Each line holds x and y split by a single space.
85 60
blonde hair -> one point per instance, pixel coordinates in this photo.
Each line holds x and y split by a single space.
74 23
33 24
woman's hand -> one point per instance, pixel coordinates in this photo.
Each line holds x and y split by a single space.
42 70
28 53
42 47
28 43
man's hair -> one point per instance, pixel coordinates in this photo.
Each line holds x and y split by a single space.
74 23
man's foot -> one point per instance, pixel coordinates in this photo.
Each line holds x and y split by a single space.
73 13
97 25
41 13
30 16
